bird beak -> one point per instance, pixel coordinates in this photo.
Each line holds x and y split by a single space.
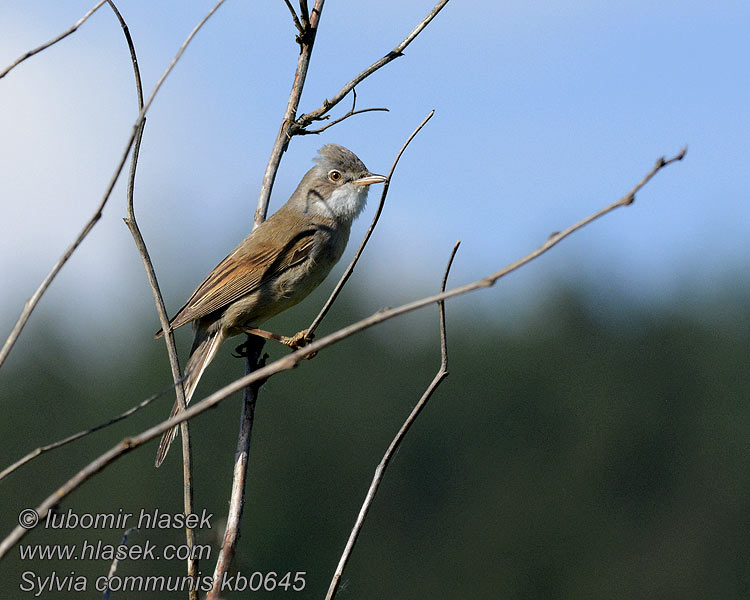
370 179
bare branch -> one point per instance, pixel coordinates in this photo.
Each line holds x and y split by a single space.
133 57
391 451
132 223
306 41
351 113
292 359
441 309
316 115
350 269
31 303
53 41
237 497
140 243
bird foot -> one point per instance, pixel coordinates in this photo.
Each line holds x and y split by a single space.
298 340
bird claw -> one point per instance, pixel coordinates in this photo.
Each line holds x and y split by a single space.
299 340
295 342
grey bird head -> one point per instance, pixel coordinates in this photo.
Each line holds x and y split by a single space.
336 187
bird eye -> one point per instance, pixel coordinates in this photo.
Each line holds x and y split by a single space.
335 176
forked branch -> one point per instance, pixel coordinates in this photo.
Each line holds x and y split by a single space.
398 51
348 114
293 125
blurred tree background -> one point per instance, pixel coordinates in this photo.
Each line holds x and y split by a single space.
592 450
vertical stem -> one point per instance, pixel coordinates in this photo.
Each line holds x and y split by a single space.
254 344
187 454
306 42
254 347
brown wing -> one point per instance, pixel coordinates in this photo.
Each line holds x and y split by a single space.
252 263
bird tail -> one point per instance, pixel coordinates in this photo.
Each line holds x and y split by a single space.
205 346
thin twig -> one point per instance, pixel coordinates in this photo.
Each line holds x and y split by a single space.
391 451
351 113
306 41
140 243
31 303
297 24
358 253
187 454
53 41
133 57
441 310
72 438
289 361
305 120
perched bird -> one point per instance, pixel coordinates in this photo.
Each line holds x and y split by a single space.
277 265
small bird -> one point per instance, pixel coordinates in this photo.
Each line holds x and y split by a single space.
277 265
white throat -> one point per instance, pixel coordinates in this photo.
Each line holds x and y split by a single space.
345 202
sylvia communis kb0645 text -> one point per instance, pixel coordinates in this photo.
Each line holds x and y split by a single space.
277 265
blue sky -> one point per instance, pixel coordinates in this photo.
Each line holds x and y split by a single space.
545 111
